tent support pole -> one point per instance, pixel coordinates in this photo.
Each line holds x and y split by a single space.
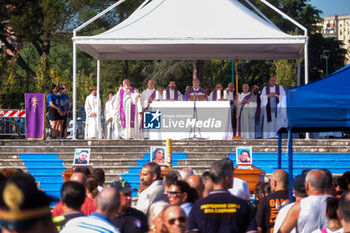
279 164
98 98
74 90
306 52
306 61
97 16
237 137
298 72
260 13
290 164
75 60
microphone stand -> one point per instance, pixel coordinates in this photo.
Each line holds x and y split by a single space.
195 116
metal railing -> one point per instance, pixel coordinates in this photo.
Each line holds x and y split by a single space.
12 123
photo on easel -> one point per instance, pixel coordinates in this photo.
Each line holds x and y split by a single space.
158 154
244 155
81 157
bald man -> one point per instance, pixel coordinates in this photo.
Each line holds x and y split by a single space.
271 204
79 177
195 181
108 201
308 214
88 206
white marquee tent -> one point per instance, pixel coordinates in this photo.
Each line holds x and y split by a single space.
193 29
190 30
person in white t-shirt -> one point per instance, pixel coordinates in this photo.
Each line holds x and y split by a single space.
334 225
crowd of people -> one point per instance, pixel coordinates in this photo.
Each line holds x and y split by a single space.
123 111
179 202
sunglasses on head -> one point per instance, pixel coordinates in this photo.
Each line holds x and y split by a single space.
181 219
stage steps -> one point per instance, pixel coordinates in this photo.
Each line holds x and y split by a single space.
47 170
118 157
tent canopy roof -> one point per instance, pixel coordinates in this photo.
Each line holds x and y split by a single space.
323 105
193 29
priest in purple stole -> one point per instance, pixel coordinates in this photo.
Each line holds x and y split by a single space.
195 90
172 94
214 94
148 95
127 104
270 96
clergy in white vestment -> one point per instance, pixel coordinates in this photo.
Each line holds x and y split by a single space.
217 94
92 109
128 108
172 94
270 96
148 95
231 94
247 109
109 113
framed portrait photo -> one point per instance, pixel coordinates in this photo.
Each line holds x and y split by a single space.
81 156
244 155
158 154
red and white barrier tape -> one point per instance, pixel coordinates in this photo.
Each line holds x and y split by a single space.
12 113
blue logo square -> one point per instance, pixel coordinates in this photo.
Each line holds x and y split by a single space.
152 120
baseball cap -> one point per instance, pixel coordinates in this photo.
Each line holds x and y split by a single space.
22 203
299 184
122 186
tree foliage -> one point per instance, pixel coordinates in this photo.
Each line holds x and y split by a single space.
45 28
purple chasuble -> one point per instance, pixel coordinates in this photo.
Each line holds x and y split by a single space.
268 105
122 113
200 90
215 93
176 94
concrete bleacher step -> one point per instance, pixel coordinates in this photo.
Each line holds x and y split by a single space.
47 170
117 156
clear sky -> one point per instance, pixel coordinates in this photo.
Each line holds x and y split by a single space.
332 7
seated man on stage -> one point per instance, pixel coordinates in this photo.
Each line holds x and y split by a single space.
196 90
217 94
172 94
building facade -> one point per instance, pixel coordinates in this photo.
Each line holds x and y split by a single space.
338 26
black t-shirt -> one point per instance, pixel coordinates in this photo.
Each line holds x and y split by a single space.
61 220
221 212
134 221
268 209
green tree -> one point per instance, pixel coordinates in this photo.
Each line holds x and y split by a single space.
84 82
285 73
43 81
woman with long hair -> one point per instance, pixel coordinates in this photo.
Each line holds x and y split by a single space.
159 156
